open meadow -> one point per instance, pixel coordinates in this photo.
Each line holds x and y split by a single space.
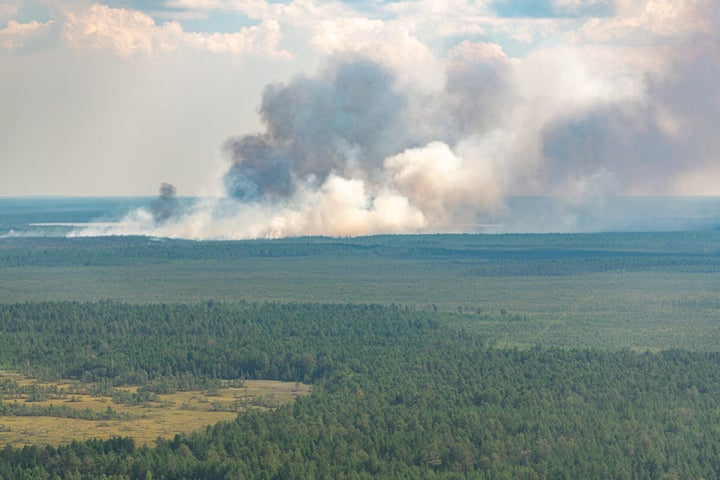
105 416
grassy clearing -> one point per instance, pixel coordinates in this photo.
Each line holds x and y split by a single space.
175 413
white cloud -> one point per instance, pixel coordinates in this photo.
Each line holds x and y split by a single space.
652 22
127 32
259 40
388 42
9 10
17 35
131 32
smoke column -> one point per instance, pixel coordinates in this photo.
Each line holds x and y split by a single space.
165 205
344 122
344 153
355 150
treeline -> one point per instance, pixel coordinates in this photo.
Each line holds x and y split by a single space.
116 251
396 395
16 409
486 255
171 347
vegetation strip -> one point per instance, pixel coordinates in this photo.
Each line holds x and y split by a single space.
517 356
397 394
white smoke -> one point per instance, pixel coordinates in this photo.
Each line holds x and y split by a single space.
349 153
357 149
427 189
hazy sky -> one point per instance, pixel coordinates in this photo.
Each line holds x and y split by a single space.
428 107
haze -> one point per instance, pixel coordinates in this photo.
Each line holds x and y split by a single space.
351 118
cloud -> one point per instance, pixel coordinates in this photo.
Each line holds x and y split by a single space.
126 32
653 23
18 35
131 32
9 10
388 42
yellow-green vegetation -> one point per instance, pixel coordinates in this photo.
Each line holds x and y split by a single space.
169 415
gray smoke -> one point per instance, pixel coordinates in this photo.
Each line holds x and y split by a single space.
475 99
351 117
166 205
615 149
357 150
345 121
645 146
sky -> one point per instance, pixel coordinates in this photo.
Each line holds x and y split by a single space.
362 116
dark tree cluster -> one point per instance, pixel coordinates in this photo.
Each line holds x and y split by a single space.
396 394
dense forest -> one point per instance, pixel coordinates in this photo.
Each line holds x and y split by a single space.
396 394
489 255
435 356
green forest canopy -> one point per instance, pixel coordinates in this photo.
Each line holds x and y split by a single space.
434 389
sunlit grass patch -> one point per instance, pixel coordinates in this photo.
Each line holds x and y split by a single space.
173 413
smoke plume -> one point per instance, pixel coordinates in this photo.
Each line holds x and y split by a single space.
353 150
346 152
165 205
345 121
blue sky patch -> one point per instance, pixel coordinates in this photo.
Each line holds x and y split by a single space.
33 10
549 9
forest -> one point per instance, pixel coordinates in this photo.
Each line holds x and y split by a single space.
482 356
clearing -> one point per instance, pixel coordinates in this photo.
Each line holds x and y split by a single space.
165 416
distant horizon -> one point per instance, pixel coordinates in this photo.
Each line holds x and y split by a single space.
178 217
